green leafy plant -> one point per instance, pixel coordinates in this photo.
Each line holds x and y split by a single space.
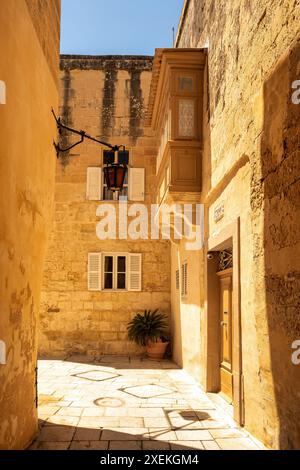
149 326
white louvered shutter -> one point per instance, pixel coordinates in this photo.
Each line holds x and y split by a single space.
94 184
135 272
94 271
136 184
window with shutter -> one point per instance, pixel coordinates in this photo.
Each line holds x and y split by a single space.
94 183
136 184
94 271
115 271
135 272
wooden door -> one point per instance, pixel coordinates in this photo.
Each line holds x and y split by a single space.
225 279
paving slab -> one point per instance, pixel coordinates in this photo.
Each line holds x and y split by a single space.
236 444
187 445
125 445
89 445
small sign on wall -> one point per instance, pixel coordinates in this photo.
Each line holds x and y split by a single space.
2 92
219 212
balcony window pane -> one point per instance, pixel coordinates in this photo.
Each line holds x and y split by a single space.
186 118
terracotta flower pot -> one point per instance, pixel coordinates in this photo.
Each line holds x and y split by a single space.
156 350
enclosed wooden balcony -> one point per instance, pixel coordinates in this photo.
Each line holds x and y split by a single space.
175 113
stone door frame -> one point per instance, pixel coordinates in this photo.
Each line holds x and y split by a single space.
227 237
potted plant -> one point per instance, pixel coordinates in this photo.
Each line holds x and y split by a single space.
150 330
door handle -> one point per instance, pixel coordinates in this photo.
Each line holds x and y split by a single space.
223 323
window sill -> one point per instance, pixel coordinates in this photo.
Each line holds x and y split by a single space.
113 202
115 290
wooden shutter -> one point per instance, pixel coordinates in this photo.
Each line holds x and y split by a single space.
135 272
94 184
136 184
94 271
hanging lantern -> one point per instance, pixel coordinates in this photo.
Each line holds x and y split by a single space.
114 175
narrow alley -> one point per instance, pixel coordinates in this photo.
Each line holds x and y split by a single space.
149 229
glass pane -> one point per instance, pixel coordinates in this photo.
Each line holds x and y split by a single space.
107 194
186 118
108 265
108 281
108 157
121 264
121 281
123 156
123 195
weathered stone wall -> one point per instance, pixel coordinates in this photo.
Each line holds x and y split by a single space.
45 17
253 59
106 96
27 169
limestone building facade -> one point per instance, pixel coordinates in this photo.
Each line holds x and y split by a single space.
29 57
107 97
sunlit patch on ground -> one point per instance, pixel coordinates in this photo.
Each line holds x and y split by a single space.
121 403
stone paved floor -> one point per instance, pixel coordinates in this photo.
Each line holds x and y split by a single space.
121 403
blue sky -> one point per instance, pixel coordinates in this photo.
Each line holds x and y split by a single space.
118 26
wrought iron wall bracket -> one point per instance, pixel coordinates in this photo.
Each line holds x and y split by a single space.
60 150
83 135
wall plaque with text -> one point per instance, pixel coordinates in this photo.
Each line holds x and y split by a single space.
219 212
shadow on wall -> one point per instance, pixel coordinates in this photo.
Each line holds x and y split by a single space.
279 189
